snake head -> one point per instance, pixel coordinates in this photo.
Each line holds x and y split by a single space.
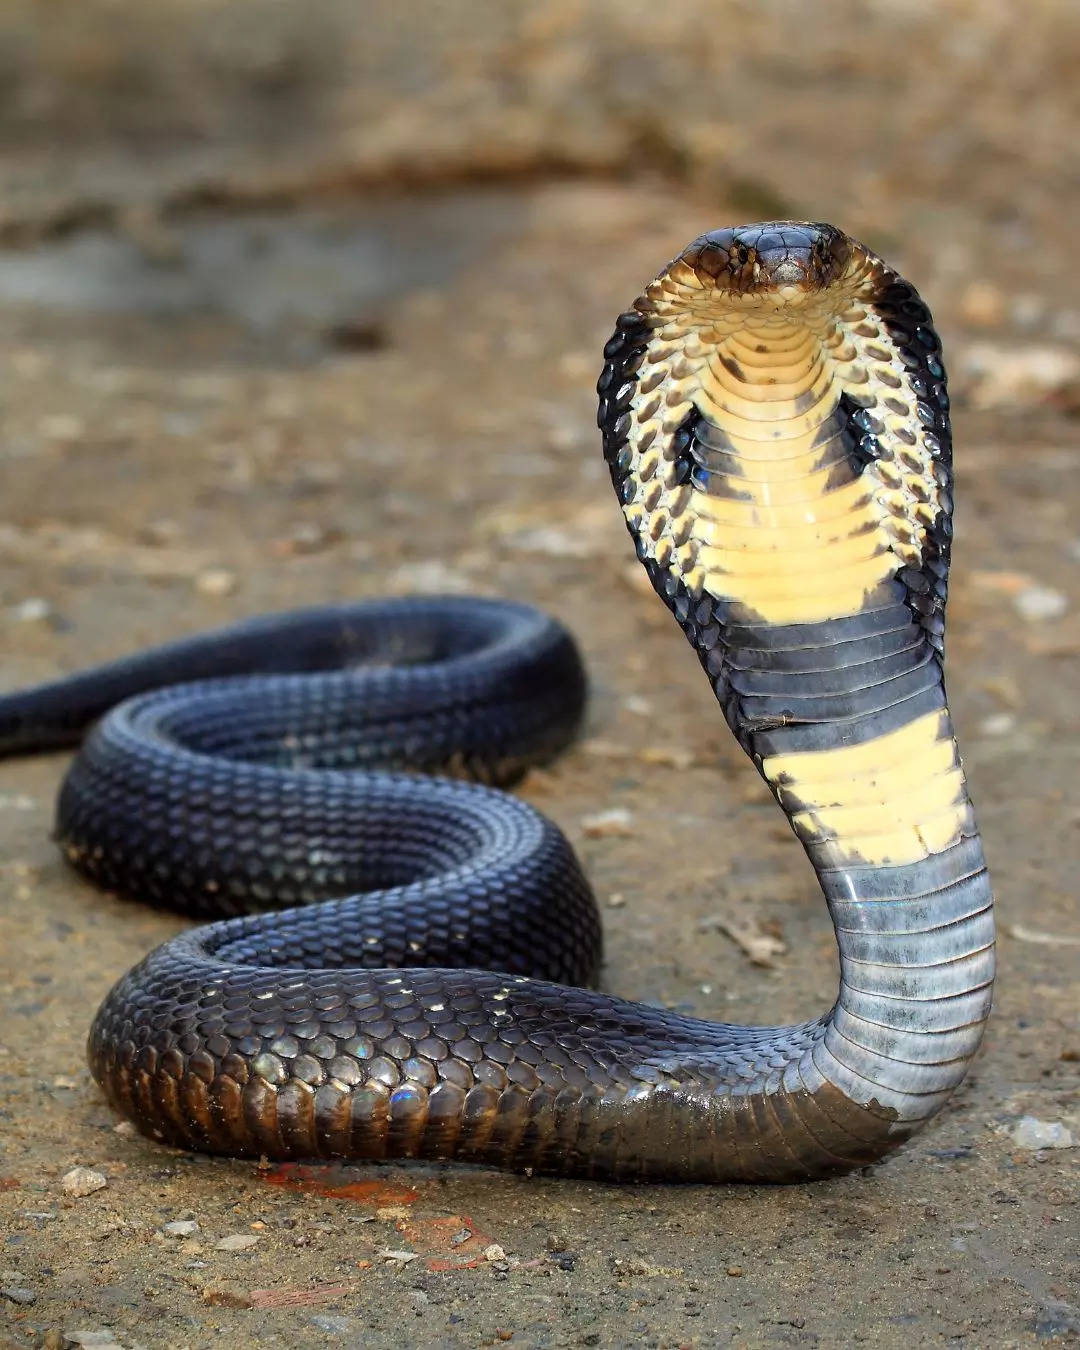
780 261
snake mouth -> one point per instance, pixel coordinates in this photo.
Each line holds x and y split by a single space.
781 262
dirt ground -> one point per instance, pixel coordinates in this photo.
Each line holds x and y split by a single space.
223 402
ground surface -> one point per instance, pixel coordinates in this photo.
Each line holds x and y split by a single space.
209 414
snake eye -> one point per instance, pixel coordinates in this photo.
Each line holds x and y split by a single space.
742 254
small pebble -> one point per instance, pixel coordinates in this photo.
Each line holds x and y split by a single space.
226 1294
216 581
606 824
735 1272
493 1252
32 610
997 724
671 756
180 1228
616 900
1031 1134
1036 603
358 335
160 533
102 1339
333 1322
83 1181
307 537
236 1242
390 1254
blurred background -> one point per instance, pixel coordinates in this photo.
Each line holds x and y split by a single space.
306 302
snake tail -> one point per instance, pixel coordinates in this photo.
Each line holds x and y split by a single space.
399 966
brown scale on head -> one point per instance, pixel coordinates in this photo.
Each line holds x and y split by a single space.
785 258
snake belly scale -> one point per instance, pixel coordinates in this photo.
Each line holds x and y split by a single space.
397 963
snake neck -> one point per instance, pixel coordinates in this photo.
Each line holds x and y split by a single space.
785 473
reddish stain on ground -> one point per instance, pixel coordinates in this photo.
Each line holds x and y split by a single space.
339 1182
449 1242
9 1183
452 1241
305 1298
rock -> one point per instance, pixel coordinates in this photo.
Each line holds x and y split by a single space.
392 1254
180 1228
102 1339
236 1242
1036 603
998 724
16 1294
1030 1133
493 1252
616 821
83 1181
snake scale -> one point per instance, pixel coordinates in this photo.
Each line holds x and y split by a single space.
397 963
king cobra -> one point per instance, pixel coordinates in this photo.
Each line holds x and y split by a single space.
397 964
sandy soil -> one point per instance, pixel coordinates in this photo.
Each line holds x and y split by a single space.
209 413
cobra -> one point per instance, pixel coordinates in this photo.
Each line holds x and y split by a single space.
399 969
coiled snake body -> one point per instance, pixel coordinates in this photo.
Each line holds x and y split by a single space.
401 975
